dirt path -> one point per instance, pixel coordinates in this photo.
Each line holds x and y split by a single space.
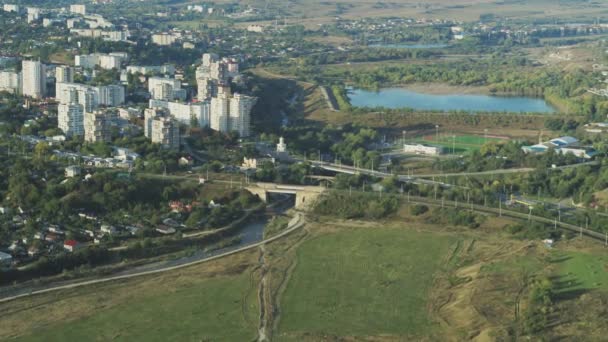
262 297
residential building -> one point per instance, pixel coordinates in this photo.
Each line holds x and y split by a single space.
161 128
166 69
72 171
109 95
239 119
167 89
116 36
70 118
11 8
64 74
164 39
10 81
34 79
33 14
97 126
186 113
71 245
78 9
220 112
104 61
165 131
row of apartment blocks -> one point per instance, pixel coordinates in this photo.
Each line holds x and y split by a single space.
32 79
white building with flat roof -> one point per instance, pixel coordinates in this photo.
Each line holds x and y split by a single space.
11 8
70 119
64 74
104 61
166 69
78 9
34 79
110 95
97 126
186 113
10 81
168 89
422 149
163 39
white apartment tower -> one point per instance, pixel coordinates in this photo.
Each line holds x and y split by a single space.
64 74
71 119
161 128
34 79
165 131
240 114
10 81
97 127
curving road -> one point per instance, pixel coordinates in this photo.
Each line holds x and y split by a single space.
296 222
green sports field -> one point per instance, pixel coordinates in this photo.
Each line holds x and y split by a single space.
458 143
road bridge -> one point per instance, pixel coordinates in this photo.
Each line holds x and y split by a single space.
305 195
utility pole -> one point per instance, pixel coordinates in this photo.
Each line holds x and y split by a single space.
500 207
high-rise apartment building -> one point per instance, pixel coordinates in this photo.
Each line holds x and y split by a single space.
161 128
167 89
10 81
34 79
105 61
239 119
70 118
97 126
64 74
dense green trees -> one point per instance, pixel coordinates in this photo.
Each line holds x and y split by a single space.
357 205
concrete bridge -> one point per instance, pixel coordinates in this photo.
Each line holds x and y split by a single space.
305 195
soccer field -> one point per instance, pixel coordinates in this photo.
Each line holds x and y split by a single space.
459 143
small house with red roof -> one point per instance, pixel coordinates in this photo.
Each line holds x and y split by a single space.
71 245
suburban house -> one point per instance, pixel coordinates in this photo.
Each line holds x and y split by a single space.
71 245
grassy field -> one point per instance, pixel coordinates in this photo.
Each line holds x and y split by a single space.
311 13
215 301
581 271
363 283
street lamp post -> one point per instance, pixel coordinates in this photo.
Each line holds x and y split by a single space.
437 133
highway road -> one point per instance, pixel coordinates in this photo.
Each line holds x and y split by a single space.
411 178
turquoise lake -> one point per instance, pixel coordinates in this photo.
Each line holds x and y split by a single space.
402 98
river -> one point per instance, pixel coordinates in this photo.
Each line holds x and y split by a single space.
403 98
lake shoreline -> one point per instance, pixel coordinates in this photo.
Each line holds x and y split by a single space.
445 97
